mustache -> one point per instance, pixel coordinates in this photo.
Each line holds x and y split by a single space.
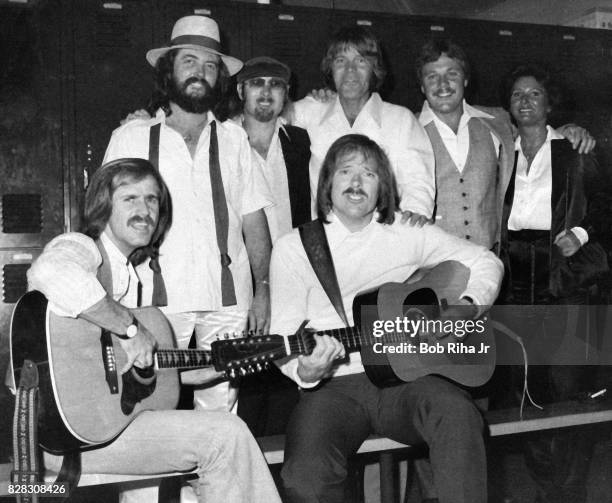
356 192
138 220
196 80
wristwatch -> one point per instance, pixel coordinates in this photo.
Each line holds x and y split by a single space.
130 331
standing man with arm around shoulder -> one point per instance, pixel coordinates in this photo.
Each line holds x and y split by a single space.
220 234
357 201
353 66
473 146
97 276
282 153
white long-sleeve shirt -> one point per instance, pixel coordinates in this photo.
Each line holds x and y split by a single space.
377 254
189 255
66 273
457 144
393 127
531 207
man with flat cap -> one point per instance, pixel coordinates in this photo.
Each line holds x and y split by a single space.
220 233
282 152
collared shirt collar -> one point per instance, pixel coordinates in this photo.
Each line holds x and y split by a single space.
114 254
373 107
337 232
161 115
281 122
551 134
427 114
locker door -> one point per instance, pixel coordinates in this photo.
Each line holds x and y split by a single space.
31 164
111 75
228 16
296 36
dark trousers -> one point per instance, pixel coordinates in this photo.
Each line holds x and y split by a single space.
330 423
558 461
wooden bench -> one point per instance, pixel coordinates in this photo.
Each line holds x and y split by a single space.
500 422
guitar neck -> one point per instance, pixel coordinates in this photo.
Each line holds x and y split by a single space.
350 337
182 358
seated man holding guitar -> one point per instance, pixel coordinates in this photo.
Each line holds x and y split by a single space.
95 277
364 245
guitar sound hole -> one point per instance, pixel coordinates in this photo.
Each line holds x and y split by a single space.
422 304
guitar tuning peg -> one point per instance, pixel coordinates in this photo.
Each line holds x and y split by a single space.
258 367
243 371
232 374
226 336
251 369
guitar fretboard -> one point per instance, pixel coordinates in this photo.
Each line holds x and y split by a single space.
182 358
352 338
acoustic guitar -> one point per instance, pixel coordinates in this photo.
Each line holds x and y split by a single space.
83 400
401 354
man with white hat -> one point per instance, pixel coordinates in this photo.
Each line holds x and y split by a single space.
217 194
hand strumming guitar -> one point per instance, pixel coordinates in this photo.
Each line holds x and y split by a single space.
139 349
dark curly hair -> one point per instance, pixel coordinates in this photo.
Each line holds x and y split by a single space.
543 77
164 71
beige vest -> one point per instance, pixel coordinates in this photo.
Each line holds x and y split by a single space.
466 201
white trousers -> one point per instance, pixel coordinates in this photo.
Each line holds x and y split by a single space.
208 326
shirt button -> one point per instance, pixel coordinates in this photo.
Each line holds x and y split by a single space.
465 208
460 180
466 222
463 194
468 237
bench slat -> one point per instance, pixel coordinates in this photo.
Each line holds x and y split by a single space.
501 422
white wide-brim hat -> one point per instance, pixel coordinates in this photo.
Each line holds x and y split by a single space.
196 32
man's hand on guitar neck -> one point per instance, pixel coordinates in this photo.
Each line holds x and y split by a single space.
319 363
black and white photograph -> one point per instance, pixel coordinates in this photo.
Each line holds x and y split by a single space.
306 251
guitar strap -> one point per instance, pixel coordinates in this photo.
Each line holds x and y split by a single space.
26 467
25 421
317 249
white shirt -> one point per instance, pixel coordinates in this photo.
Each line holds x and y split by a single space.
66 273
366 259
393 127
458 145
274 171
531 206
189 256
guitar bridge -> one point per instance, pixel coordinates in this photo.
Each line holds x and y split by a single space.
109 362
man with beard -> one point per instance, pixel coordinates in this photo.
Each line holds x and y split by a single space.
217 197
282 152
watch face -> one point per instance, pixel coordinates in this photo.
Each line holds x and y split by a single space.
131 331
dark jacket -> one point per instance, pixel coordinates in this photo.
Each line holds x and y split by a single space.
575 185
